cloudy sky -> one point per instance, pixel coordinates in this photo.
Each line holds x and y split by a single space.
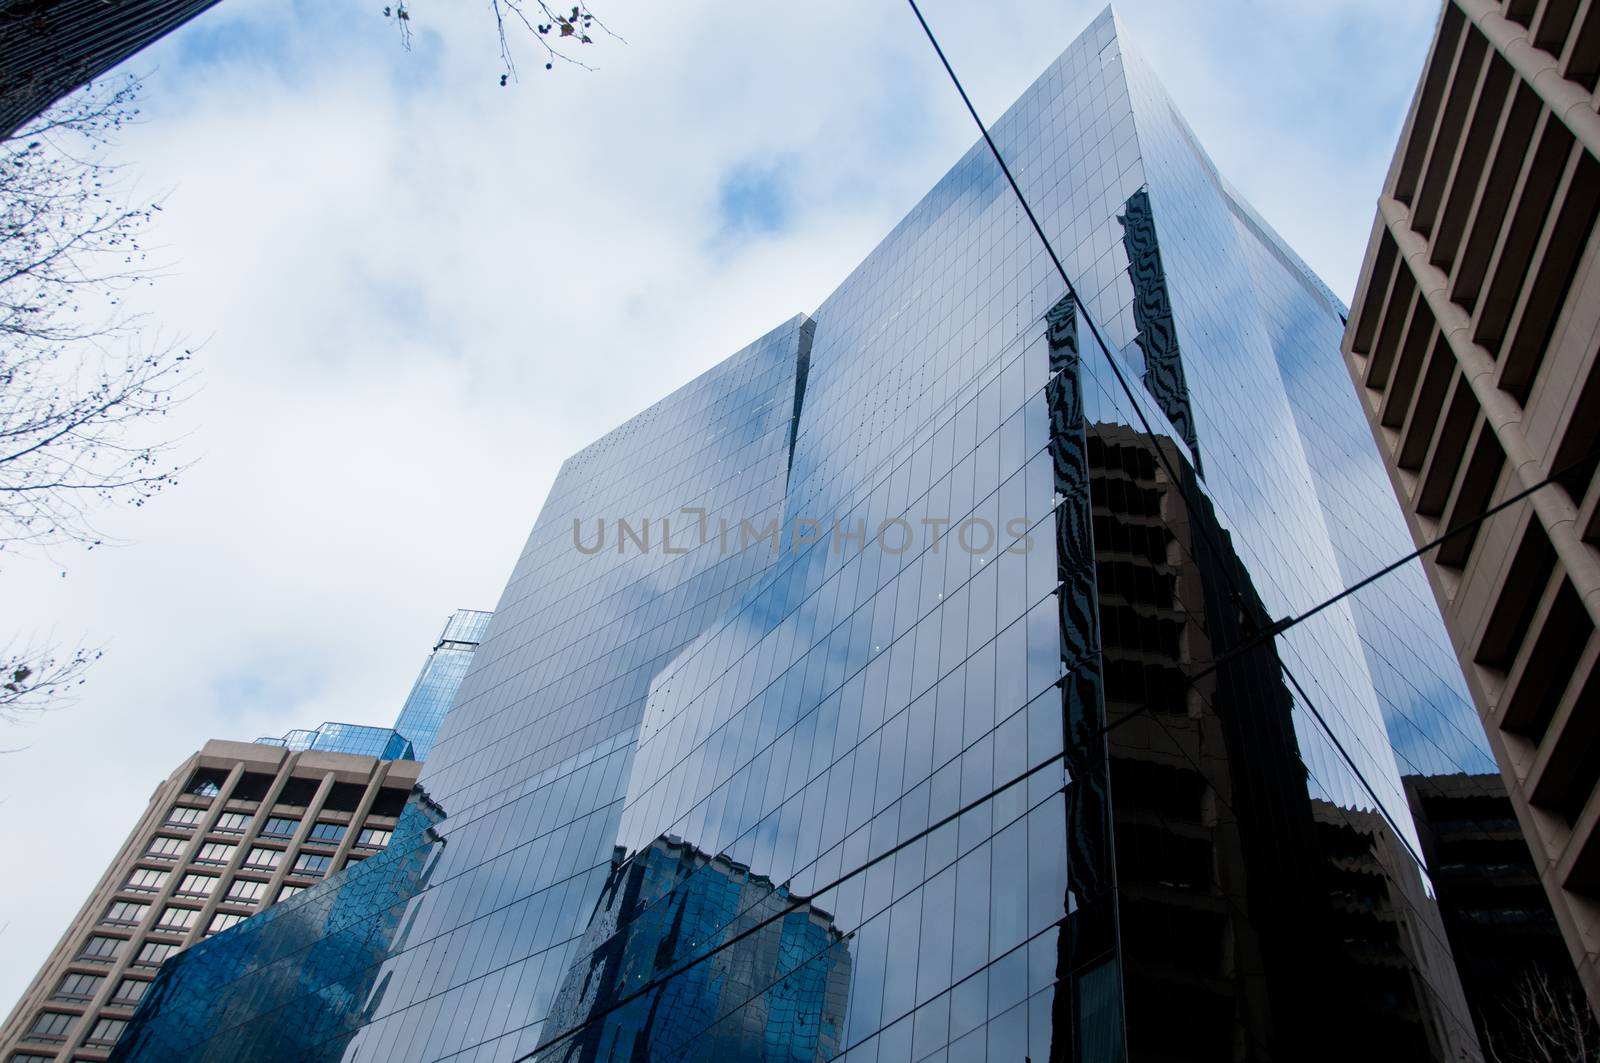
418 291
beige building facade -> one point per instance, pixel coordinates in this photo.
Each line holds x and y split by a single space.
1472 342
236 827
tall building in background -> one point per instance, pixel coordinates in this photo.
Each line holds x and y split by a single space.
49 48
1473 345
440 678
909 685
1496 914
236 827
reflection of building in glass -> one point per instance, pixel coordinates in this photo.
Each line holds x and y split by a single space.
941 741
1246 908
439 679
776 990
312 961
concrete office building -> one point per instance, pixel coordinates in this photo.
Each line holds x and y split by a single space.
236 827
1472 344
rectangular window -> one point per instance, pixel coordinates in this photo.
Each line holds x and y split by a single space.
75 985
106 1031
197 885
101 948
30 1057
266 859
374 838
289 891
185 817
147 879
177 918
207 782
216 852
51 1024
129 992
331 833
312 864
244 889
232 823
154 953
125 913
164 848
223 920
278 827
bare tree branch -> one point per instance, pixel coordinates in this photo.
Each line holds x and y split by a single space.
80 376
33 679
558 30
1549 1023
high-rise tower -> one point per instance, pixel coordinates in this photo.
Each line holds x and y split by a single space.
440 678
910 685
234 829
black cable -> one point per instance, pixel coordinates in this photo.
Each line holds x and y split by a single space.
1441 540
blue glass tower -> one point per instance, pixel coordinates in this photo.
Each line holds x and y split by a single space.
440 678
413 732
910 685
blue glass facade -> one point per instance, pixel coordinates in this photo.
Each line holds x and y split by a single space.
905 687
440 678
385 743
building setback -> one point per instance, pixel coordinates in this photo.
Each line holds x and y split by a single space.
909 685
1473 346
236 827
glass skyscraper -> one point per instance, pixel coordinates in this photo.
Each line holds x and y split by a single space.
440 678
911 685
414 730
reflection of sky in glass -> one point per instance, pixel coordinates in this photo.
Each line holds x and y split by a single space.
805 716
385 743
440 678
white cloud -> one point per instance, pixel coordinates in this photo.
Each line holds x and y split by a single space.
420 291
